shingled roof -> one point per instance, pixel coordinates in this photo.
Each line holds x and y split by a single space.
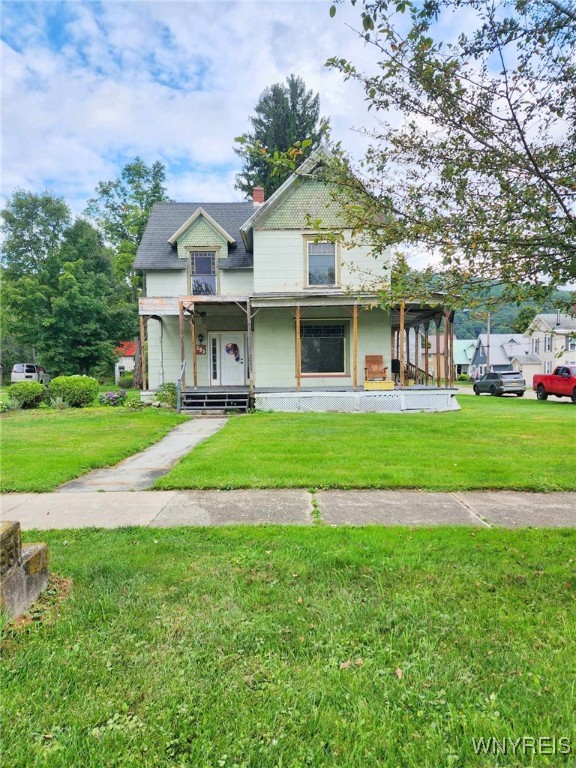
155 252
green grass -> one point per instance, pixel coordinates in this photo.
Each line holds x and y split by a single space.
490 443
43 448
293 647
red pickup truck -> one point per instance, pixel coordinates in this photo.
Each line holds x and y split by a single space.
562 383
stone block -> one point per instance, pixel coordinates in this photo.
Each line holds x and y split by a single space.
10 545
24 570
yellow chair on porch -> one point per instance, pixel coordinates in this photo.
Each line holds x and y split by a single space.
374 368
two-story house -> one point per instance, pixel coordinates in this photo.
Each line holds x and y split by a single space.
255 296
495 352
552 339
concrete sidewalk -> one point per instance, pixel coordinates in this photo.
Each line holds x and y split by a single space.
289 507
140 471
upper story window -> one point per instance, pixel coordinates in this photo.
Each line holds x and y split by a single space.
202 273
536 346
547 343
571 343
321 264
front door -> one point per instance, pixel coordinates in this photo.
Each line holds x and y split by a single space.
231 359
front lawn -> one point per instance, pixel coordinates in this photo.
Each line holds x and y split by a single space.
44 448
491 443
295 647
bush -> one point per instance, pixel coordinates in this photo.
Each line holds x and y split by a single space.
74 390
463 377
168 394
27 394
113 398
136 404
126 381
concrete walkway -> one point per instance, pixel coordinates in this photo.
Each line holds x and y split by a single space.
163 509
140 471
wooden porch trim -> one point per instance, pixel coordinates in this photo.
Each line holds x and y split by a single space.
298 347
355 346
438 375
194 354
181 328
401 343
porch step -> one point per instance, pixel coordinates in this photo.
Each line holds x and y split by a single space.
195 401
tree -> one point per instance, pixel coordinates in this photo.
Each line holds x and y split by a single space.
482 169
122 208
33 227
65 303
285 115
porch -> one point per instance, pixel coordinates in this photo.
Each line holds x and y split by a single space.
317 345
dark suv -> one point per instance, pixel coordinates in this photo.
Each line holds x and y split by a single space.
499 383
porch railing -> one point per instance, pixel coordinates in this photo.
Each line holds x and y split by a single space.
179 388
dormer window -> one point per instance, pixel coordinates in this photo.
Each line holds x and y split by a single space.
321 267
202 273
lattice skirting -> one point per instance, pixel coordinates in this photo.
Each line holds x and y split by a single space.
401 400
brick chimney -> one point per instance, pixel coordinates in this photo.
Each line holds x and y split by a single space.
258 195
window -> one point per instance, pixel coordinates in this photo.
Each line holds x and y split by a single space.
322 348
548 366
547 343
202 273
571 343
536 346
321 264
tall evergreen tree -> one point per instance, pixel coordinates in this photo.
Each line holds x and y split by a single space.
285 114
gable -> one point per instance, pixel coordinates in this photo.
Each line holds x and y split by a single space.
201 234
306 201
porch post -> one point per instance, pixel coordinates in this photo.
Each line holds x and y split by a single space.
452 348
426 354
446 350
249 351
182 354
298 347
438 377
194 357
355 346
408 348
143 352
416 353
401 343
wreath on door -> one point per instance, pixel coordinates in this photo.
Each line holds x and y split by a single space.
232 349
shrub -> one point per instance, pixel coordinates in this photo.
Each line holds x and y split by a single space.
74 390
168 394
113 398
126 381
27 394
136 404
463 377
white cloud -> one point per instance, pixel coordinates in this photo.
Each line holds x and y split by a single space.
174 81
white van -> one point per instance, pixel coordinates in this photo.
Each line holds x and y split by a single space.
29 372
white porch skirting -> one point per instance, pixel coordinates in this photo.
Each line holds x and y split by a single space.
394 401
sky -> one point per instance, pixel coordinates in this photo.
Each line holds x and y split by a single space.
88 86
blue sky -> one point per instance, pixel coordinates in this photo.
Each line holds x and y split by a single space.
87 86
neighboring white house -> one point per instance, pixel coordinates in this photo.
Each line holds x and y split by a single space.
125 352
528 364
552 338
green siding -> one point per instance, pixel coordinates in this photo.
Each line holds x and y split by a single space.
202 235
311 199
